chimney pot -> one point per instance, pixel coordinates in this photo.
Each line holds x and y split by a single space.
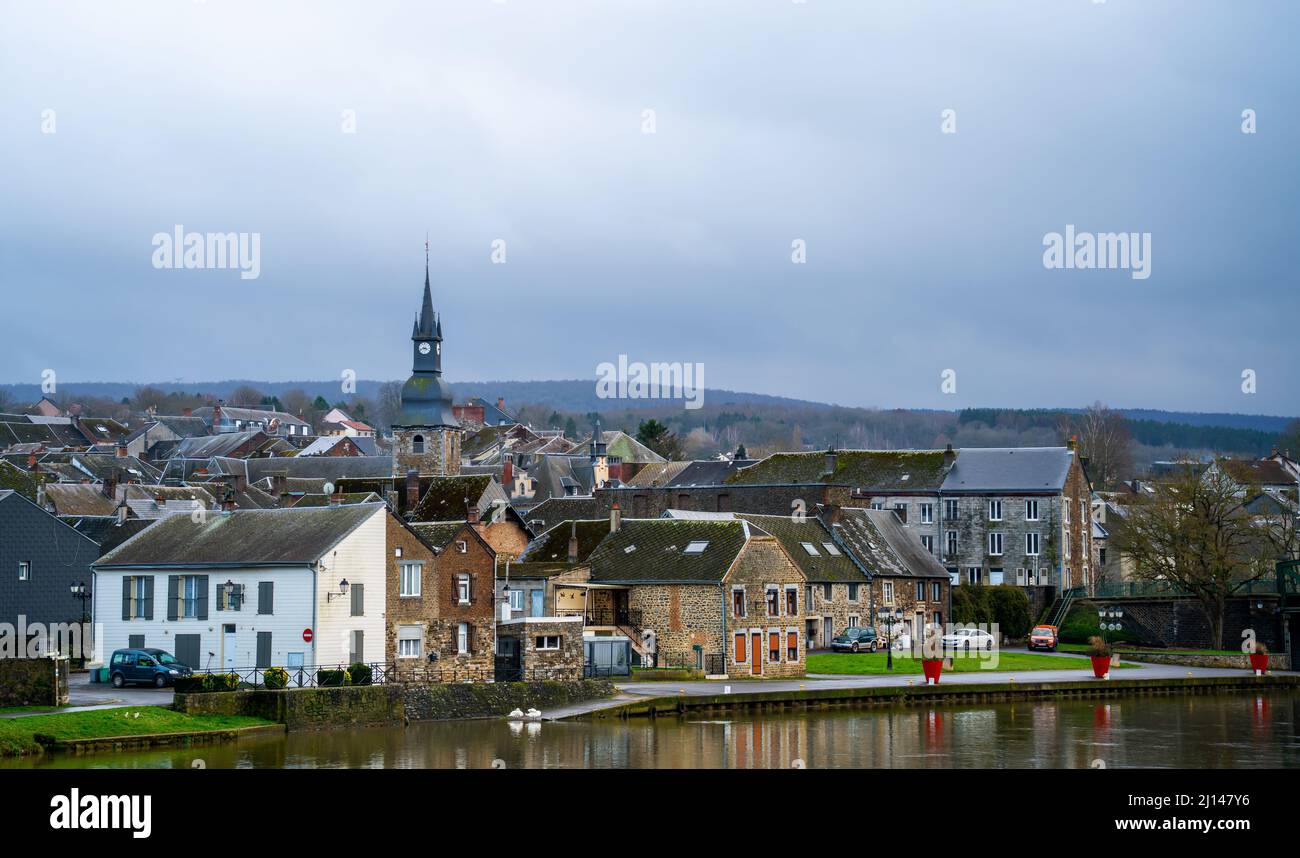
615 518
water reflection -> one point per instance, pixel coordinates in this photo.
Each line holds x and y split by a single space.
1226 731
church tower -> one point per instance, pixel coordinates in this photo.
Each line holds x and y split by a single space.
426 434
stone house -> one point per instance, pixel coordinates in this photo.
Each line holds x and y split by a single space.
459 621
1017 515
541 648
719 595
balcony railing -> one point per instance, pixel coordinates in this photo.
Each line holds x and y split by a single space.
612 617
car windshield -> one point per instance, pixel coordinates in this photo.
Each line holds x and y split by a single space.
165 657
1042 631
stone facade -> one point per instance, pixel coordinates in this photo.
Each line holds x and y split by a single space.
682 617
409 610
769 588
549 647
847 605
33 681
926 604
430 451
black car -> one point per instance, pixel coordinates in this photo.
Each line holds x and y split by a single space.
855 640
155 667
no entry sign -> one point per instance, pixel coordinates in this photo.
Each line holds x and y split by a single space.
306 635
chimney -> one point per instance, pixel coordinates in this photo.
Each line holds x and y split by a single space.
508 473
829 513
109 487
412 490
471 512
122 511
1073 442
949 457
279 483
31 461
228 504
615 518
216 417
573 542
122 451
830 462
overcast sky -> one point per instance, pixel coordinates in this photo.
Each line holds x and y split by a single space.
774 121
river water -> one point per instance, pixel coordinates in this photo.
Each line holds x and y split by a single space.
1221 731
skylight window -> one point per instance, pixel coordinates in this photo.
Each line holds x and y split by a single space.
629 549
831 549
696 547
811 549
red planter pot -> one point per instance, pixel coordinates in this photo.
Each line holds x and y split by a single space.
1100 666
1259 662
932 668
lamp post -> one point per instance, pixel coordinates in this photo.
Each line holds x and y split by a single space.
889 618
82 592
343 591
1104 614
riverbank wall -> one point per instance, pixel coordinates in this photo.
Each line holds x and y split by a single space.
379 705
1276 661
932 695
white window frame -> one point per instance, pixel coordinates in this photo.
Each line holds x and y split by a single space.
410 574
927 542
24 570
462 638
995 543
404 637
927 513
516 597
1033 544
951 510
952 543
887 592
1031 510
543 643
462 588
995 510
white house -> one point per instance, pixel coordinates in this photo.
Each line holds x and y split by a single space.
250 588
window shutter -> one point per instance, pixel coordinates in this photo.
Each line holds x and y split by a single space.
740 647
774 643
469 587
358 600
148 597
126 597
173 595
239 597
469 638
263 649
266 597
201 606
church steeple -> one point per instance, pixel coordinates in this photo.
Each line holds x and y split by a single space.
426 398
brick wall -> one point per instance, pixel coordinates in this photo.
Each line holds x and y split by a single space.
682 617
403 611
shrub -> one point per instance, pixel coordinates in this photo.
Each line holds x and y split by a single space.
332 678
1098 648
275 677
1082 624
222 682
1261 648
1004 604
189 684
361 674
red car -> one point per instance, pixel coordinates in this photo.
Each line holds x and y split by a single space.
1043 637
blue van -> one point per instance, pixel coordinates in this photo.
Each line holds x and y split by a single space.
155 667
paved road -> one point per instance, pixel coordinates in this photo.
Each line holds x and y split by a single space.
84 694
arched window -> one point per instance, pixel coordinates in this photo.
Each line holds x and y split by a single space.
417 444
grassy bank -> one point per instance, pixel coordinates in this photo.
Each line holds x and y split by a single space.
864 663
19 735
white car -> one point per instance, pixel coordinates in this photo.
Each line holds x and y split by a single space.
965 640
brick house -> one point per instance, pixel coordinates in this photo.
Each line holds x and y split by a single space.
715 594
458 619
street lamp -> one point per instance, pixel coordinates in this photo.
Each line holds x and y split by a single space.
889 618
1104 614
343 591
82 592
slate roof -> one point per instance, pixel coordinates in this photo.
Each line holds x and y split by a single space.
438 534
16 479
209 446
883 546
121 468
260 537
325 443
657 474
555 510
1009 469
185 427
650 550
323 467
105 530
709 472
869 470
823 566
444 498
620 445
325 500
552 547
79 499
1257 472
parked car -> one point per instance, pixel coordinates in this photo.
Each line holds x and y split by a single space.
966 640
855 640
155 667
1043 637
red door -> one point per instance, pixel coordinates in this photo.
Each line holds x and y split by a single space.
756 654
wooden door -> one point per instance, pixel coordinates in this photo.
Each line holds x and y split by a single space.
756 654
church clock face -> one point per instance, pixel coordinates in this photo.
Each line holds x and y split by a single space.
424 348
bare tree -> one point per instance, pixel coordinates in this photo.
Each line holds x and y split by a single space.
389 404
1195 534
1105 441
246 396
